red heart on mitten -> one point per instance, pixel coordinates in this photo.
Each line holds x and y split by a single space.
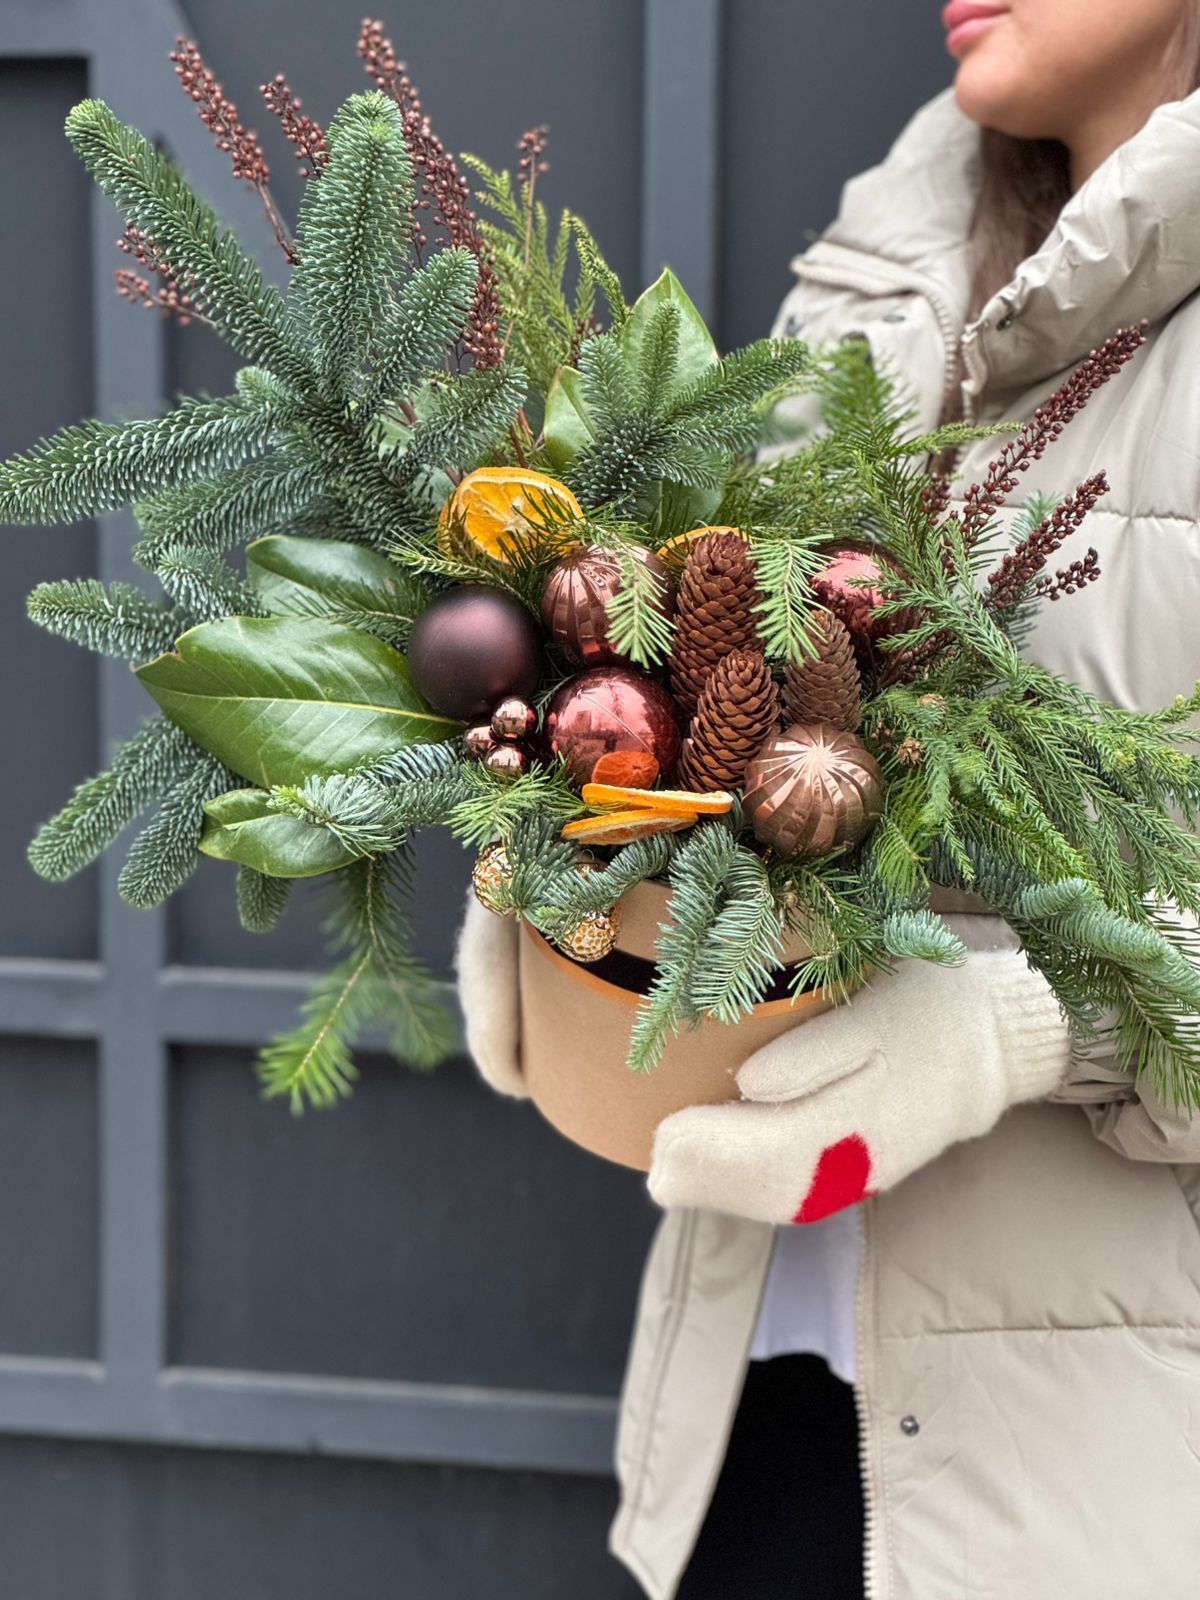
841 1179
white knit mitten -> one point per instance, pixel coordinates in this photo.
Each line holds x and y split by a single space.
490 995
850 1103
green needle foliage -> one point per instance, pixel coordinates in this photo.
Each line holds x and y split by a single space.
261 900
116 619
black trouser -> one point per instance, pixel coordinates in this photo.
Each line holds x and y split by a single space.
786 1520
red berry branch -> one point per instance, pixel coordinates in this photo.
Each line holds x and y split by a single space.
1068 579
299 128
1012 580
983 500
441 189
220 116
169 297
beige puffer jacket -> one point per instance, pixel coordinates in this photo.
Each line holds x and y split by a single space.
1032 1299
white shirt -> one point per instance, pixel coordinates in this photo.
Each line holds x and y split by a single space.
809 1302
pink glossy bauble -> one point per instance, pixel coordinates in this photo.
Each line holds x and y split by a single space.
613 725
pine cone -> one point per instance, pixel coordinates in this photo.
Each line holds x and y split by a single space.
718 592
738 712
825 687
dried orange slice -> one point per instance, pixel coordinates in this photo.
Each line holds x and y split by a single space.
671 801
675 551
494 510
623 827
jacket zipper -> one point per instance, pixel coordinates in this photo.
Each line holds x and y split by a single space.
838 277
862 1405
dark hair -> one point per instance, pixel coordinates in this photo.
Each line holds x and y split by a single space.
1024 184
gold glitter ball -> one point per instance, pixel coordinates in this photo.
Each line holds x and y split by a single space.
491 877
593 937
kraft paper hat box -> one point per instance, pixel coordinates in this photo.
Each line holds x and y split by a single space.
575 1031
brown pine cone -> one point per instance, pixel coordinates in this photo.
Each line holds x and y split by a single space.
738 712
718 592
825 687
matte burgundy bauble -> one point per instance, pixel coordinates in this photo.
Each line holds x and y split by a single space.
613 725
579 590
470 648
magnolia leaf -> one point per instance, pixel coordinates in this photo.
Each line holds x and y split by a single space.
281 699
326 577
567 429
697 351
240 827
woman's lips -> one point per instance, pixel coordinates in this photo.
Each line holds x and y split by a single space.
967 20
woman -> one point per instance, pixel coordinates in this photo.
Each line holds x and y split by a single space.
1025 1338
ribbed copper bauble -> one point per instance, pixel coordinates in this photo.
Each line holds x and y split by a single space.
579 590
812 790
613 725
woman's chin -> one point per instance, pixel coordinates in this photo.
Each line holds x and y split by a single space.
992 96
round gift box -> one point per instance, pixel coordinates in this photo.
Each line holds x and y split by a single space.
575 1030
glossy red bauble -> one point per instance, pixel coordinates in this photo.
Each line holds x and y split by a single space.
613 725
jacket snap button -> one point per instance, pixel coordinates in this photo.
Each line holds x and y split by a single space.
909 1426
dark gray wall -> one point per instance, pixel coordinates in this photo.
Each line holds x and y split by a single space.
377 1352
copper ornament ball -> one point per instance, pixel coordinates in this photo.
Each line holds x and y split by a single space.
513 719
613 725
506 761
575 601
471 647
813 789
479 741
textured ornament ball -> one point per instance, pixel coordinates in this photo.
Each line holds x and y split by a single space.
593 937
812 790
491 876
613 725
470 648
506 761
579 591
513 719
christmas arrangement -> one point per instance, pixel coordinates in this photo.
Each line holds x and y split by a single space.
475 543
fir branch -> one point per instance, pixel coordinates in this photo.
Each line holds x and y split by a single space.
922 936
142 770
358 810
493 805
785 567
378 977
743 949
640 627
114 620
98 466
165 854
698 877
429 315
261 900
206 586
353 229
216 514
207 261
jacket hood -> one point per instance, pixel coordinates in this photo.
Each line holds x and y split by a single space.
1125 247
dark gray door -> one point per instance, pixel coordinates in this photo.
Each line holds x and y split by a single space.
373 1353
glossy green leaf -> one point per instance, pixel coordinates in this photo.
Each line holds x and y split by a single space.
239 827
326 577
278 699
697 351
567 429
